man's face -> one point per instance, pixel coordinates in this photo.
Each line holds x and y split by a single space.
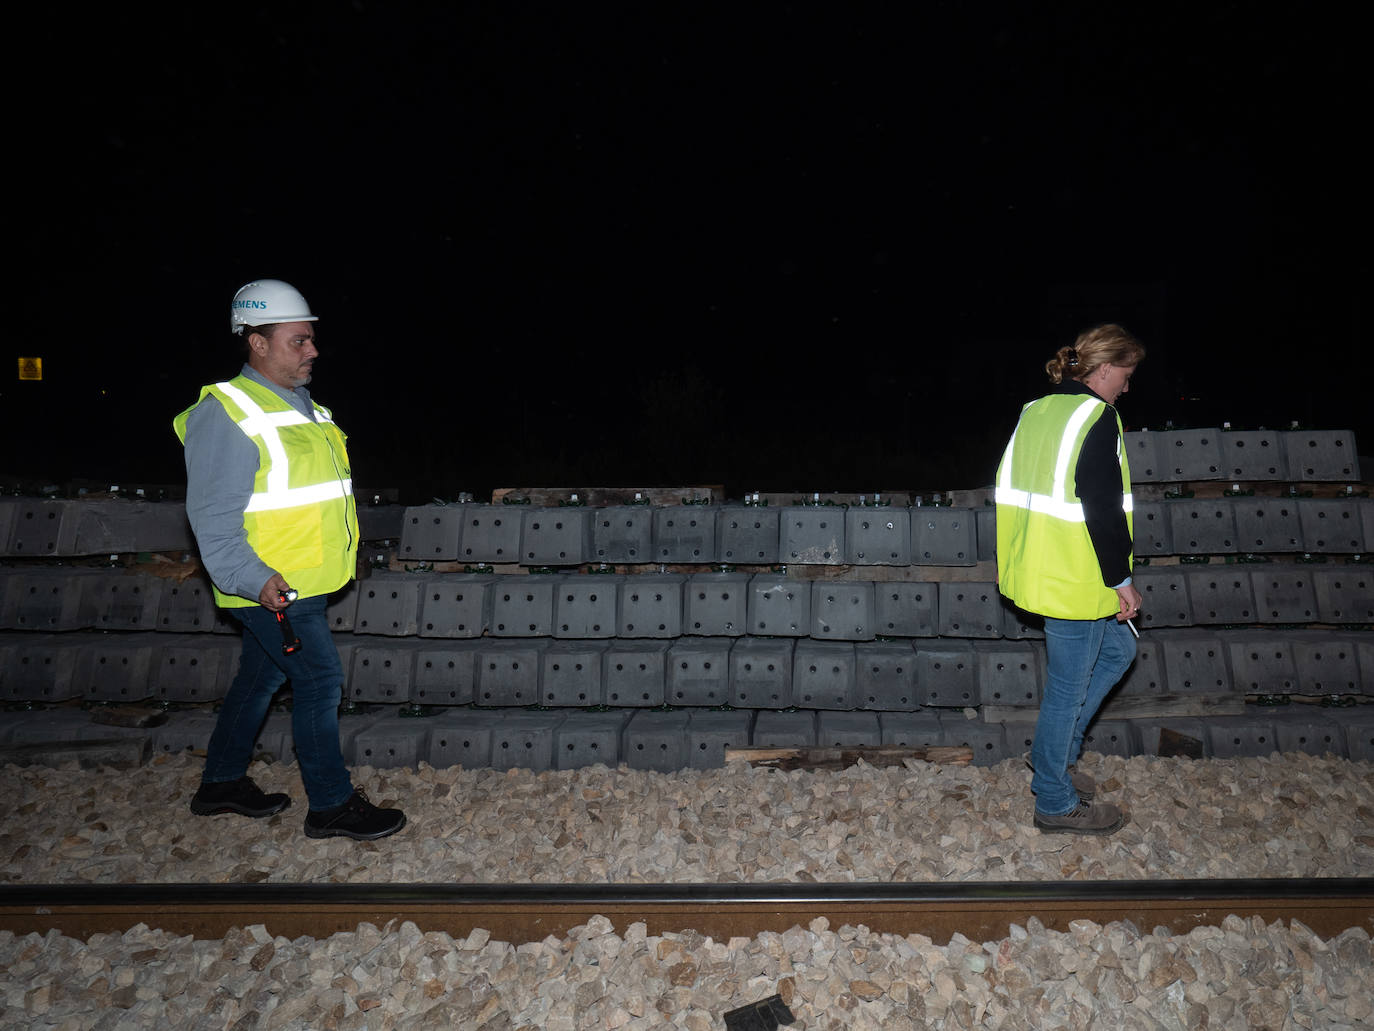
284 353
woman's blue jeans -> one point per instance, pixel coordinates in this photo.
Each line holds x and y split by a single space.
316 677
1087 657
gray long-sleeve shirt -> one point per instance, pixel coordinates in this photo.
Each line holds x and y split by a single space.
221 464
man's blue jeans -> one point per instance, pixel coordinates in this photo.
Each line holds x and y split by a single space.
316 677
1087 657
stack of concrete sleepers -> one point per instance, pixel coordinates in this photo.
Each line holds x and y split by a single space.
541 632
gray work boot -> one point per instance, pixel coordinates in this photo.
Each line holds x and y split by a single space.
1084 818
1083 785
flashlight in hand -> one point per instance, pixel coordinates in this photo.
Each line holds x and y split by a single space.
290 643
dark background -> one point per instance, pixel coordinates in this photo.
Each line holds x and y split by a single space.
761 247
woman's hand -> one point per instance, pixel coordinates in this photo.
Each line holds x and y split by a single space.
1129 599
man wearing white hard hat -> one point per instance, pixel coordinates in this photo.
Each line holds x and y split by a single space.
269 496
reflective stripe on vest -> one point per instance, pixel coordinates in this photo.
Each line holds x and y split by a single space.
1061 503
264 426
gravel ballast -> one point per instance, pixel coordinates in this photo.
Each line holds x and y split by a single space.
1281 816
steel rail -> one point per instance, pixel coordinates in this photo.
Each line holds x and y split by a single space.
521 913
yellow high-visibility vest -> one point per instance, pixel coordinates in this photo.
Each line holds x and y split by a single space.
301 519
1045 557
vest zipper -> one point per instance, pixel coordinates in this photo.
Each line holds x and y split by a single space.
334 461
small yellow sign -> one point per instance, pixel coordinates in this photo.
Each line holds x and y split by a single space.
30 368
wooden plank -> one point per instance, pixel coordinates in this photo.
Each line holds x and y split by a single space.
853 499
1323 700
597 497
982 572
1176 743
1157 706
895 498
166 566
1009 713
977 497
1246 488
1134 707
400 565
131 716
600 497
816 758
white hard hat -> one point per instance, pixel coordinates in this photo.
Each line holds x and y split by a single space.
265 302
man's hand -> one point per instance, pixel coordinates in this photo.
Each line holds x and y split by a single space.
1129 600
270 595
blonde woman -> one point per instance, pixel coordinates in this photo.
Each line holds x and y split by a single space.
1064 551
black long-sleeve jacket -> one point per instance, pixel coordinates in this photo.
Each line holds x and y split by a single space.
1097 481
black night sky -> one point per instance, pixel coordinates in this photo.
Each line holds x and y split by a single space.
766 246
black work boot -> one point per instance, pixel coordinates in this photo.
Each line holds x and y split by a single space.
240 796
357 818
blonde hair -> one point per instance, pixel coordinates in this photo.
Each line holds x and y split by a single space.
1108 344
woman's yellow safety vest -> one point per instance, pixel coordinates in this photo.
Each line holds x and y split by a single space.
301 519
1045 557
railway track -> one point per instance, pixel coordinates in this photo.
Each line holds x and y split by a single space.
521 913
